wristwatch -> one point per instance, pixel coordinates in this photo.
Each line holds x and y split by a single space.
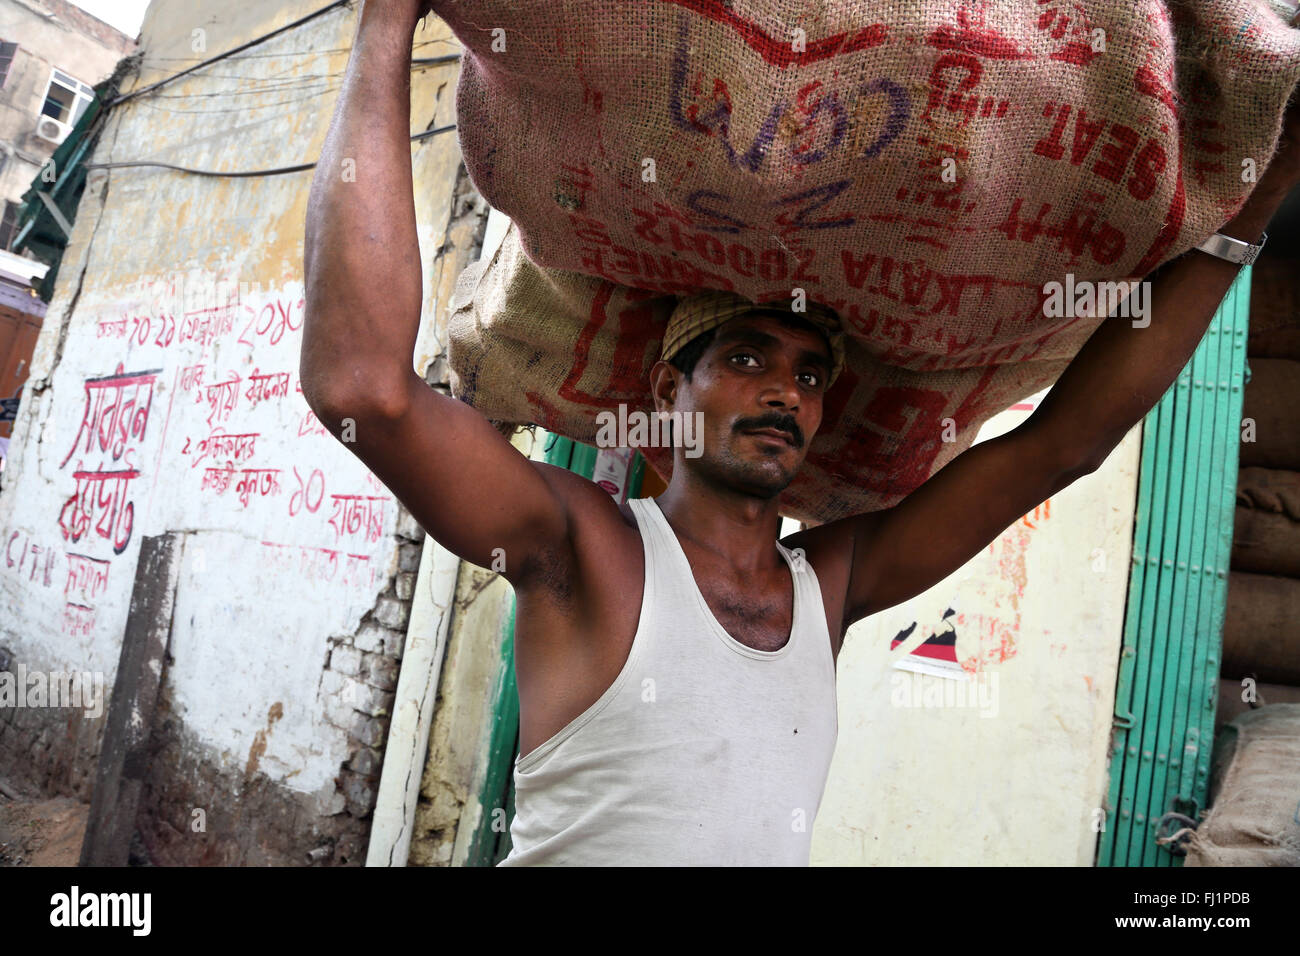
1234 250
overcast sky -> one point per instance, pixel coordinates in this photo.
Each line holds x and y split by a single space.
126 15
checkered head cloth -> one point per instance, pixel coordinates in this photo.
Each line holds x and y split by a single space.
698 313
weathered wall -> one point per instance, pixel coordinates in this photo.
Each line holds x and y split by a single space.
452 779
181 300
450 802
50 35
1012 768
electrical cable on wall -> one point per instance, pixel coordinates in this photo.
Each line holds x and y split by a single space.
231 53
117 101
304 81
249 174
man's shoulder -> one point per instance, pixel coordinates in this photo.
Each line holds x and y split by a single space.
828 547
829 550
600 531
585 501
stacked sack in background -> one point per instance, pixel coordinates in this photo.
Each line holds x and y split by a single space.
1261 639
924 169
1252 819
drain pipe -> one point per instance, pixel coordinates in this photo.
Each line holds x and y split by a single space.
417 688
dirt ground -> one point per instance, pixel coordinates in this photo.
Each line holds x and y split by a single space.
40 832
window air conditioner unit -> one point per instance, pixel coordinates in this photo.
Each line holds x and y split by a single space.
48 128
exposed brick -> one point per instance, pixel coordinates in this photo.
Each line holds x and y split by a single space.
332 683
381 672
249 822
339 712
365 762
346 660
405 585
369 730
370 638
395 644
392 613
333 804
408 527
408 556
339 694
359 792
371 700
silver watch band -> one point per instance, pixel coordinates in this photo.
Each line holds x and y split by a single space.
1234 250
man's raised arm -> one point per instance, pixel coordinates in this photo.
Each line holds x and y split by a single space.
1114 380
465 484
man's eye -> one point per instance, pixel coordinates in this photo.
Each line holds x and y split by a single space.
815 378
744 355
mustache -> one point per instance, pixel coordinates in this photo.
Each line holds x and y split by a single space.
776 420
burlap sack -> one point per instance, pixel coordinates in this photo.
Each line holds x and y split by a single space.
1231 706
1274 309
1261 636
1265 543
1266 523
1271 433
1255 792
923 168
1274 490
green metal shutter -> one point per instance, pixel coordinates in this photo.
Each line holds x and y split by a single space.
1167 686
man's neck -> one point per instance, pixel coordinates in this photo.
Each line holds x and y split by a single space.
740 529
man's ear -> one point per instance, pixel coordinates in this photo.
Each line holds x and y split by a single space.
664 379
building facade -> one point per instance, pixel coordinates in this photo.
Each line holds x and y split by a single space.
51 56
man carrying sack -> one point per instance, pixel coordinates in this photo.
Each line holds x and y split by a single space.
675 661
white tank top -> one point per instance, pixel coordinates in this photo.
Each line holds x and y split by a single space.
702 752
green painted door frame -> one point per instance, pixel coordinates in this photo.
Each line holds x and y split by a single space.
1167 685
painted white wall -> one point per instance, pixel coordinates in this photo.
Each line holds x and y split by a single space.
182 271
1015 777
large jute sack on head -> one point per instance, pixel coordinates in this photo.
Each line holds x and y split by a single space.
1254 817
922 168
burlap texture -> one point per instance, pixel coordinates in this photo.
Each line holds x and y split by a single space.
1273 490
922 168
1266 523
1265 543
1274 309
1231 706
1260 636
1254 793
1270 406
